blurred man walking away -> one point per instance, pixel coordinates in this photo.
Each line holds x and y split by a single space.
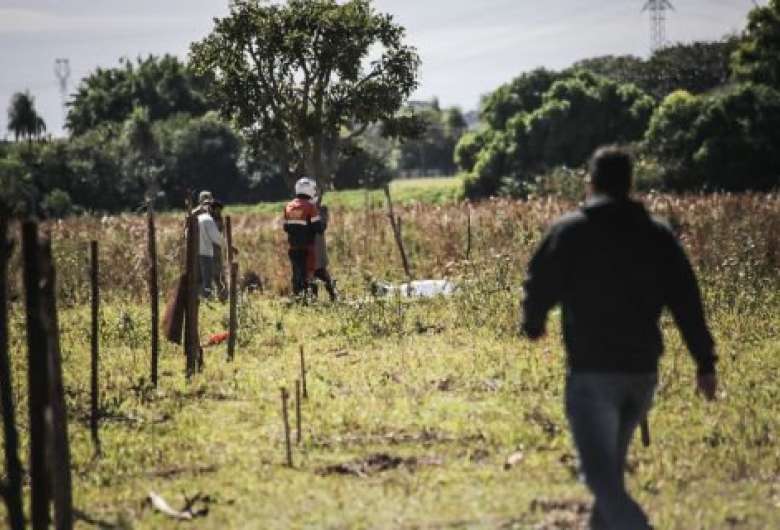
302 222
318 261
210 242
613 269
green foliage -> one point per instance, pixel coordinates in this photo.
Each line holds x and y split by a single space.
162 85
361 168
758 57
305 61
432 151
725 141
576 115
23 119
58 203
522 95
697 67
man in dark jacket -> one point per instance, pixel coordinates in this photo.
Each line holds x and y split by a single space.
613 269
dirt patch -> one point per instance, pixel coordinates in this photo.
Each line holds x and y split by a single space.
560 514
376 463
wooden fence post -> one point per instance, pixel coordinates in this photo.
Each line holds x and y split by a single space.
13 467
154 296
57 435
298 421
94 280
286 420
38 379
191 334
233 317
229 238
303 375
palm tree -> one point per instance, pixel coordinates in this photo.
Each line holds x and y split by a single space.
23 120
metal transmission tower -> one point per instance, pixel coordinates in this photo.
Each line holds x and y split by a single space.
657 9
62 71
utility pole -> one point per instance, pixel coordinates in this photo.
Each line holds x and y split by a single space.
657 10
62 71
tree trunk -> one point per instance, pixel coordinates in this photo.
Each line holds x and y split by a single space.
13 468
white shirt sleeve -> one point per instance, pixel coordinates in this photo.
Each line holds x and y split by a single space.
213 232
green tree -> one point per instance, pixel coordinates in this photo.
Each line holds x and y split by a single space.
23 119
697 67
296 77
725 141
523 94
162 85
758 57
200 153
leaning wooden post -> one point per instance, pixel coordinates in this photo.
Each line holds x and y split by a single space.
191 335
95 365
233 319
154 296
395 223
303 375
59 446
38 379
286 420
13 467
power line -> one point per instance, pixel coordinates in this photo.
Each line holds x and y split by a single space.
657 10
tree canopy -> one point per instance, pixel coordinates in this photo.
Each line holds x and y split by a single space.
162 85
296 77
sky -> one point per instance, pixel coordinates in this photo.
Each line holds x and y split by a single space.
468 47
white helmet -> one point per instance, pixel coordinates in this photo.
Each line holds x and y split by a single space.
306 186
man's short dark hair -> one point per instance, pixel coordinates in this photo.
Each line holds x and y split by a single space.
611 171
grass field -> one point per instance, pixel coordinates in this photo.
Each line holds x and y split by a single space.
431 190
442 389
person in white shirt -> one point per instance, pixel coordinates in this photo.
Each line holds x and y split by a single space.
211 241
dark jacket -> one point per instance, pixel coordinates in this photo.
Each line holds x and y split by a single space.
613 269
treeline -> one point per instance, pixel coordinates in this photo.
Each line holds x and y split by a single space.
148 126
701 116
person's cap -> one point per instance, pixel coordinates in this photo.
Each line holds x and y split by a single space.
205 196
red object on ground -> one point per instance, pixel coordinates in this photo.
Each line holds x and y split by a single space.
218 338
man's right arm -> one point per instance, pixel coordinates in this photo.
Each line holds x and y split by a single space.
541 286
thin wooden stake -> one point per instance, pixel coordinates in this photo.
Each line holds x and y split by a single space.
95 357
191 335
13 467
285 418
297 411
59 446
233 318
644 426
468 232
303 375
154 294
38 379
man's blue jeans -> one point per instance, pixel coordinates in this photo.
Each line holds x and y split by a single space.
604 410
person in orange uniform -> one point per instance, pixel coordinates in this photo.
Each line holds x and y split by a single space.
302 222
